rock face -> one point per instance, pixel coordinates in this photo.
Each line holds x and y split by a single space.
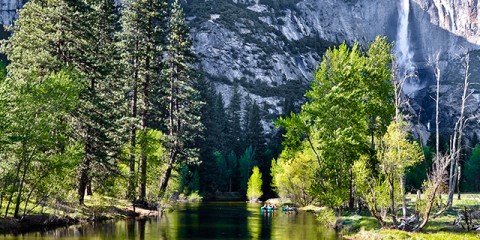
270 48
270 43
8 9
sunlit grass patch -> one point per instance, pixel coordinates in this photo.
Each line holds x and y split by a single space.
398 234
355 223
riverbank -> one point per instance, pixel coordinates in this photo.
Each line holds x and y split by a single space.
363 226
96 209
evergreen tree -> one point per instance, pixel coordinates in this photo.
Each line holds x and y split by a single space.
232 170
253 127
222 171
182 99
102 104
245 164
213 120
143 36
472 170
234 118
220 128
57 34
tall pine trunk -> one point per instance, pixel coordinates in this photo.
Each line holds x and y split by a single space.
143 157
84 170
133 129
168 173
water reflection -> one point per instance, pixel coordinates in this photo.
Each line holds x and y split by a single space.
199 221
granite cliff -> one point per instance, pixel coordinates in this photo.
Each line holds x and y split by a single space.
270 48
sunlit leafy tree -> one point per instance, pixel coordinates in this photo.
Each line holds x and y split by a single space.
293 176
350 103
38 142
396 154
254 190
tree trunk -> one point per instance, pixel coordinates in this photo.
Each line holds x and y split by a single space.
457 143
83 181
351 202
26 160
133 130
451 183
163 187
404 199
89 188
392 201
11 194
458 182
428 208
143 157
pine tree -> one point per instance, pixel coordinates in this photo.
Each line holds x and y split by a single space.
182 99
232 170
213 120
253 127
234 118
143 36
100 110
245 164
57 34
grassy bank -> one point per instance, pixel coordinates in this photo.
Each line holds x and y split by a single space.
363 226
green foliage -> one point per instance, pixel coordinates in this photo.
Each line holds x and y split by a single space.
293 177
38 152
245 165
222 172
373 190
472 170
397 152
356 87
417 174
326 217
254 190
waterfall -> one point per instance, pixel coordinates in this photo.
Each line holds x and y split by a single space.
404 54
406 66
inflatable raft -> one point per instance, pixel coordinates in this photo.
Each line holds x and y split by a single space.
268 209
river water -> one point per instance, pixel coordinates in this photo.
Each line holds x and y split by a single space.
224 220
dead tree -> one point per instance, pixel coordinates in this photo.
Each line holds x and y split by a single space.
458 134
442 162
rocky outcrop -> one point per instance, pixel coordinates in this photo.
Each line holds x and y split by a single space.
270 48
8 9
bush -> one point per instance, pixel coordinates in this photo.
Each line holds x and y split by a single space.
326 217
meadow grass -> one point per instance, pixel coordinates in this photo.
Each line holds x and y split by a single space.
364 226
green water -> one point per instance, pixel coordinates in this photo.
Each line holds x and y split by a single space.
200 221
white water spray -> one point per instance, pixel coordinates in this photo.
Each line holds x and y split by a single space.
404 54
407 68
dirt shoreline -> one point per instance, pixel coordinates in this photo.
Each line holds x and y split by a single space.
44 222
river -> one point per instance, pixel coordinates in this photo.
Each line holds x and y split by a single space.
219 220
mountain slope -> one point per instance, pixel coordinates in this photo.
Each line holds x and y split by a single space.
270 48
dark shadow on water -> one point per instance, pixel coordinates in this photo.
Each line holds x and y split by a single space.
225 220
